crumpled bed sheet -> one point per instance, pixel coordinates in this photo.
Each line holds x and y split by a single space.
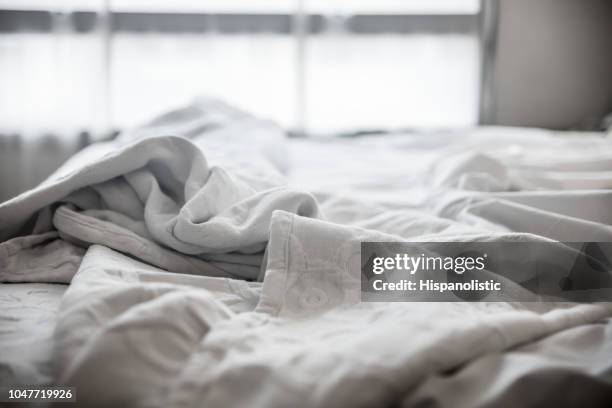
572 365
221 212
28 316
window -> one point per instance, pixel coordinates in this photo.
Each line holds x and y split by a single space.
312 65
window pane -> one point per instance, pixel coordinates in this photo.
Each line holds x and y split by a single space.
366 63
51 82
395 6
153 72
356 81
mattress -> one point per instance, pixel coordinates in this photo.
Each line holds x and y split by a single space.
217 270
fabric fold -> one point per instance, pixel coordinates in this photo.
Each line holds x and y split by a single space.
158 199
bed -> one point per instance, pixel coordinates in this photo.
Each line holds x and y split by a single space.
204 259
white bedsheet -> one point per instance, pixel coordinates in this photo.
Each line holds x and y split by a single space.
301 337
28 316
572 368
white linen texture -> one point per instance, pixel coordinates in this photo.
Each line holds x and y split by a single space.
217 264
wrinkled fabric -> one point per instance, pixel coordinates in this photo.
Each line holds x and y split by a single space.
570 368
154 193
28 312
175 341
149 206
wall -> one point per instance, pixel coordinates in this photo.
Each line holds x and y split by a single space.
554 62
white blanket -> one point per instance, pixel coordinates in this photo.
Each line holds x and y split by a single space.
148 198
300 338
178 340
